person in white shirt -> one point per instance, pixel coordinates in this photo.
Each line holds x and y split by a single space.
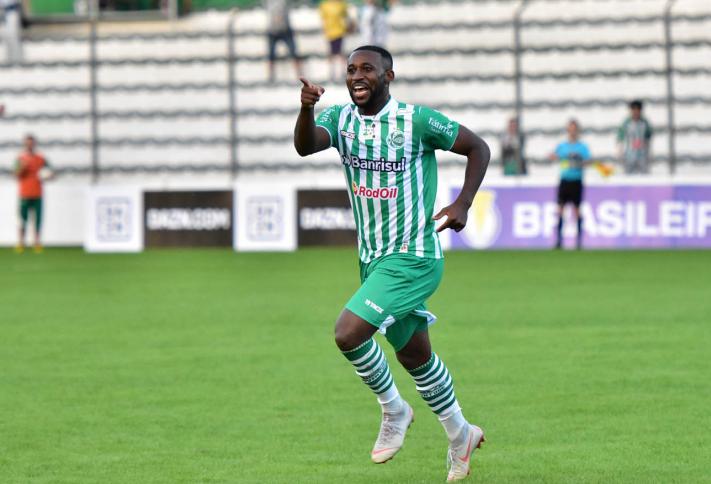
12 10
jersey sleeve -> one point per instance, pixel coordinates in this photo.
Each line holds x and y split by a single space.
329 119
438 131
560 151
648 132
585 149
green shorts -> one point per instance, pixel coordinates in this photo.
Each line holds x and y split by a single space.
393 292
34 204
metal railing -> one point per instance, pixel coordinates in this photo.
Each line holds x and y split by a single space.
94 63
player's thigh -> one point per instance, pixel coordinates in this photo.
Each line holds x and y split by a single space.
401 332
351 330
24 209
398 285
336 46
271 48
290 43
577 194
37 208
561 193
565 192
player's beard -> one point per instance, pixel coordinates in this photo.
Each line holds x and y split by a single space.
375 95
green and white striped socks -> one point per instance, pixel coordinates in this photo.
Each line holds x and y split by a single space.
372 367
434 384
432 380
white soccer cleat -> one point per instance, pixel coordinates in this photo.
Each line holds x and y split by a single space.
392 434
459 458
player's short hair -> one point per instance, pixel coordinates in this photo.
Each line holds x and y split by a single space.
636 104
30 136
575 122
384 54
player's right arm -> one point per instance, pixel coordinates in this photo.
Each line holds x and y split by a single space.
308 138
20 168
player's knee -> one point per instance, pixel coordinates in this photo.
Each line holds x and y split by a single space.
345 338
412 360
416 352
405 360
342 339
350 332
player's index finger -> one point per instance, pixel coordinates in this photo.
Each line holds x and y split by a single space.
444 225
306 83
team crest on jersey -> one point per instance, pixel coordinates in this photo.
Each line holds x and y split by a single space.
396 139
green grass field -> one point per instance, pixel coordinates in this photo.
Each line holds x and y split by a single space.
209 366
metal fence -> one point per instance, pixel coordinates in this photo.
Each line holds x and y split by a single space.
231 85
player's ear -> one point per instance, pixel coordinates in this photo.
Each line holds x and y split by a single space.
389 75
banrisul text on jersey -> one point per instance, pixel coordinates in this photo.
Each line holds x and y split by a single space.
391 169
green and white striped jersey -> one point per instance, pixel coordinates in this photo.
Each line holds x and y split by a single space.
391 172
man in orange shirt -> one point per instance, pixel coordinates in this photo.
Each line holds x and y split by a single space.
27 170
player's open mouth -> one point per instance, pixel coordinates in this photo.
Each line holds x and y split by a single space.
360 90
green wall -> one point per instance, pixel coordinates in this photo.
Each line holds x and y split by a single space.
51 7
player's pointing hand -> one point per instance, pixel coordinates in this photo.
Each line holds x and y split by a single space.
456 217
310 93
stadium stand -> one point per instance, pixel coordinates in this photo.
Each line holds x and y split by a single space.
163 100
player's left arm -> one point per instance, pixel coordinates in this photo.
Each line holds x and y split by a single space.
586 156
49 173
478 155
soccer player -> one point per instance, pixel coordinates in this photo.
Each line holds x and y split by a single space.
27 170
387 151
572 155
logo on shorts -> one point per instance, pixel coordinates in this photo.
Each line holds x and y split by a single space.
371 304
396 139
384 193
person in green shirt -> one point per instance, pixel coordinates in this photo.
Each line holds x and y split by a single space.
634 141
387 150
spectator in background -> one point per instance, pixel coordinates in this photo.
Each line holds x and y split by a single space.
336 24
279 30
572 155
634 140
12 10
30 169
512 158
374 22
